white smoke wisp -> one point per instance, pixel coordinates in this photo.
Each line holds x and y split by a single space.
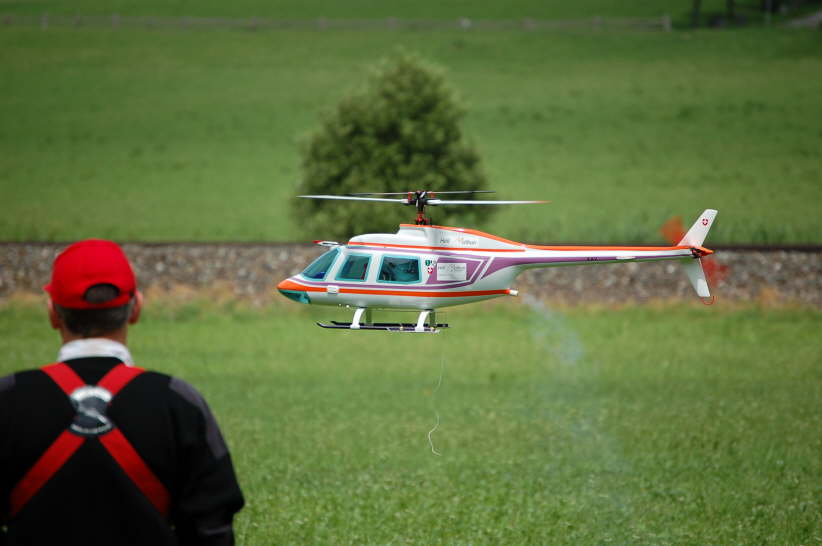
553 333
568 385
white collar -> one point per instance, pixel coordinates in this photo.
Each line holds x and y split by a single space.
94 346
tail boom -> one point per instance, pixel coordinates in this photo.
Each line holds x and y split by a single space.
689 251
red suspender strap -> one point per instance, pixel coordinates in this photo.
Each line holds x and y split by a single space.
119 377
57 453
46 466
65 377
124 453
133 465
67 444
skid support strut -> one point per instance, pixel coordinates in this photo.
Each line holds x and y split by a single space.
355 324
423 318
363 321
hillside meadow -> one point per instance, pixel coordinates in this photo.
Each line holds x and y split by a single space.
174 135
519 425
369 9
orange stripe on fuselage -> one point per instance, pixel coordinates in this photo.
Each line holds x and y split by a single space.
525 247
422 294
586 248
522 246
288 284
450 248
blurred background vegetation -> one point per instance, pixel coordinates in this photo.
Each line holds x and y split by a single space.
140 134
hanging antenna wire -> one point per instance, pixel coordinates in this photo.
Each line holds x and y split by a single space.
436 412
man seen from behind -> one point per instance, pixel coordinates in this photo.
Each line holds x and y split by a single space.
94 450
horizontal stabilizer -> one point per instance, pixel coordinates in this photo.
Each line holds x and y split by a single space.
696 235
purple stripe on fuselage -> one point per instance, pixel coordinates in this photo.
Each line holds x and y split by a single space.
502 263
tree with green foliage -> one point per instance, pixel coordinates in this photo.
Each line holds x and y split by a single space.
400 132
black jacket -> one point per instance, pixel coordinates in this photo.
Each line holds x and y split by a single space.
90 500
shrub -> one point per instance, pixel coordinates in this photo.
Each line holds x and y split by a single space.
400 132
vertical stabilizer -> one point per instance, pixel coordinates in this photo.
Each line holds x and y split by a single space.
693 268
696 235
694 239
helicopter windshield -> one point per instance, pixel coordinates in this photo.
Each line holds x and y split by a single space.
319 267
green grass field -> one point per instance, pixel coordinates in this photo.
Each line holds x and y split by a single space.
294 9
170 135
671 425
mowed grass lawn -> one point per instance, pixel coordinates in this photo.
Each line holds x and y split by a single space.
674 425
174 135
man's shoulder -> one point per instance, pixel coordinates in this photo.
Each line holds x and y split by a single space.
196 403
153 378
179 389
21 379
155 383
156 377
26 389
189 395
7 382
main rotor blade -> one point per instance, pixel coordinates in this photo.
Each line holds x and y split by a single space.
430 192
454 202
379 193
463 191
353 198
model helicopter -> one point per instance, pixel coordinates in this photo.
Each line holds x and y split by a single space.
424 267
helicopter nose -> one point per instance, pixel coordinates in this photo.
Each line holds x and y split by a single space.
291 290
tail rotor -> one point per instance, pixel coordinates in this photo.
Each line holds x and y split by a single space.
705 269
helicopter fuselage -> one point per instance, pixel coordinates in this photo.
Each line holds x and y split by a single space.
427 267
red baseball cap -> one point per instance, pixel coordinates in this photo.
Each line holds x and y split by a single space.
88 263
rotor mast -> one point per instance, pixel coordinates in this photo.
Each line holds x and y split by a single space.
420 199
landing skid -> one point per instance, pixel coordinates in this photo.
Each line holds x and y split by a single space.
426 323
385 326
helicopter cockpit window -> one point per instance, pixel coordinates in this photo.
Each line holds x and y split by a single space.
355 268
319 267
399 269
